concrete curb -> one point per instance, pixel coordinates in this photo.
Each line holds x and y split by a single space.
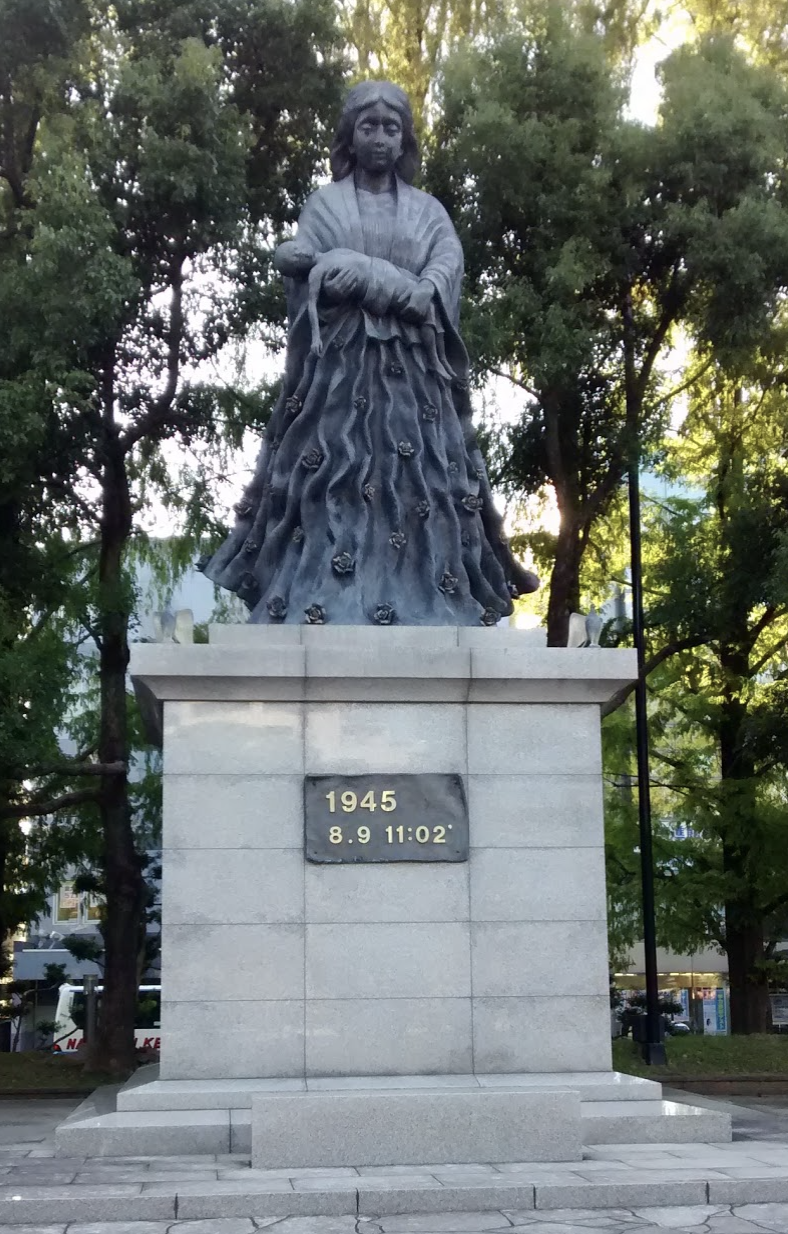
46 1094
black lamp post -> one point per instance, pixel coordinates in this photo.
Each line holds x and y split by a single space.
652 1048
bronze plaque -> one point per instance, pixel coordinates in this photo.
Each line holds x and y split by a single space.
375 818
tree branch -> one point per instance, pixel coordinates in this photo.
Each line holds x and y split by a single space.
779 902
156 415
605 488
767 655
685 385
664 653
516 381
34 809
670 308
75 769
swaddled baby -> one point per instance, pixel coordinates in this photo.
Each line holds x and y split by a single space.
385 288
294 260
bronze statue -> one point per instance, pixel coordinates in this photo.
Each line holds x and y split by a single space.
370 501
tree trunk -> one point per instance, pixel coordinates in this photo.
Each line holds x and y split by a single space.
744 926
114 1050
564 582
751 1008
5 931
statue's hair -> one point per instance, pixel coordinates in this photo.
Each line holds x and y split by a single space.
364 95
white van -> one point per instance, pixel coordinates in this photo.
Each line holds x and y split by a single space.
69 1032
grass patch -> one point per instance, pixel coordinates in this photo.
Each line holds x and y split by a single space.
32 1069
691 1055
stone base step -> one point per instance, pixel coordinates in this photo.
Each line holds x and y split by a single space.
342 1129
145 1091
98 1129
385 1194
381 1127
164 1117
652 1122
110 1133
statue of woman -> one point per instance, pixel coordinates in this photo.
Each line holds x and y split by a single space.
370 501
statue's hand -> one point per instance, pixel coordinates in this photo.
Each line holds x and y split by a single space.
342 283
419 302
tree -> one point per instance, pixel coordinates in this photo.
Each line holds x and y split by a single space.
408 41
184 142
41 435
590 240
718 569
760 25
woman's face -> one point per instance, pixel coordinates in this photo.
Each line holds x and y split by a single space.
377 138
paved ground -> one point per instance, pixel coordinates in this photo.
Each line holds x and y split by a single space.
36 1186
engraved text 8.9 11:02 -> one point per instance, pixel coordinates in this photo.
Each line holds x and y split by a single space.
374 818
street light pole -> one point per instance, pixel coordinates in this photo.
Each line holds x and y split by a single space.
652 1048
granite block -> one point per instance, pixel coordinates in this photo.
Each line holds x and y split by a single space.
389 892
208 1094
267 1040
378 1202
153 1132
257 1184
130 1227
538 884
529 674
501 638
369 640
379 1036
240 1131
66 1204
60 1228
388 960
212 673
242 1174
654 1122
233 738
619 1195
541 1034
421 674
389 1127
253 637
354 738
535 811
348 1083
274 1203
592 1085
524 959
232 887
386 691
224 811
748 1190
244 962
528 740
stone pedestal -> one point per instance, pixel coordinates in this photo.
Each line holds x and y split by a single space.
276 967
360 1015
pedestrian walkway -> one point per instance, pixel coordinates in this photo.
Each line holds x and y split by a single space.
737 1188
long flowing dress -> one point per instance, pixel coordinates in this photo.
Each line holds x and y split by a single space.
370 501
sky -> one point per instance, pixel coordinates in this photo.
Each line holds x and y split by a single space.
645 94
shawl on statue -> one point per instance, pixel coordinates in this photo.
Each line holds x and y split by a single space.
423 245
